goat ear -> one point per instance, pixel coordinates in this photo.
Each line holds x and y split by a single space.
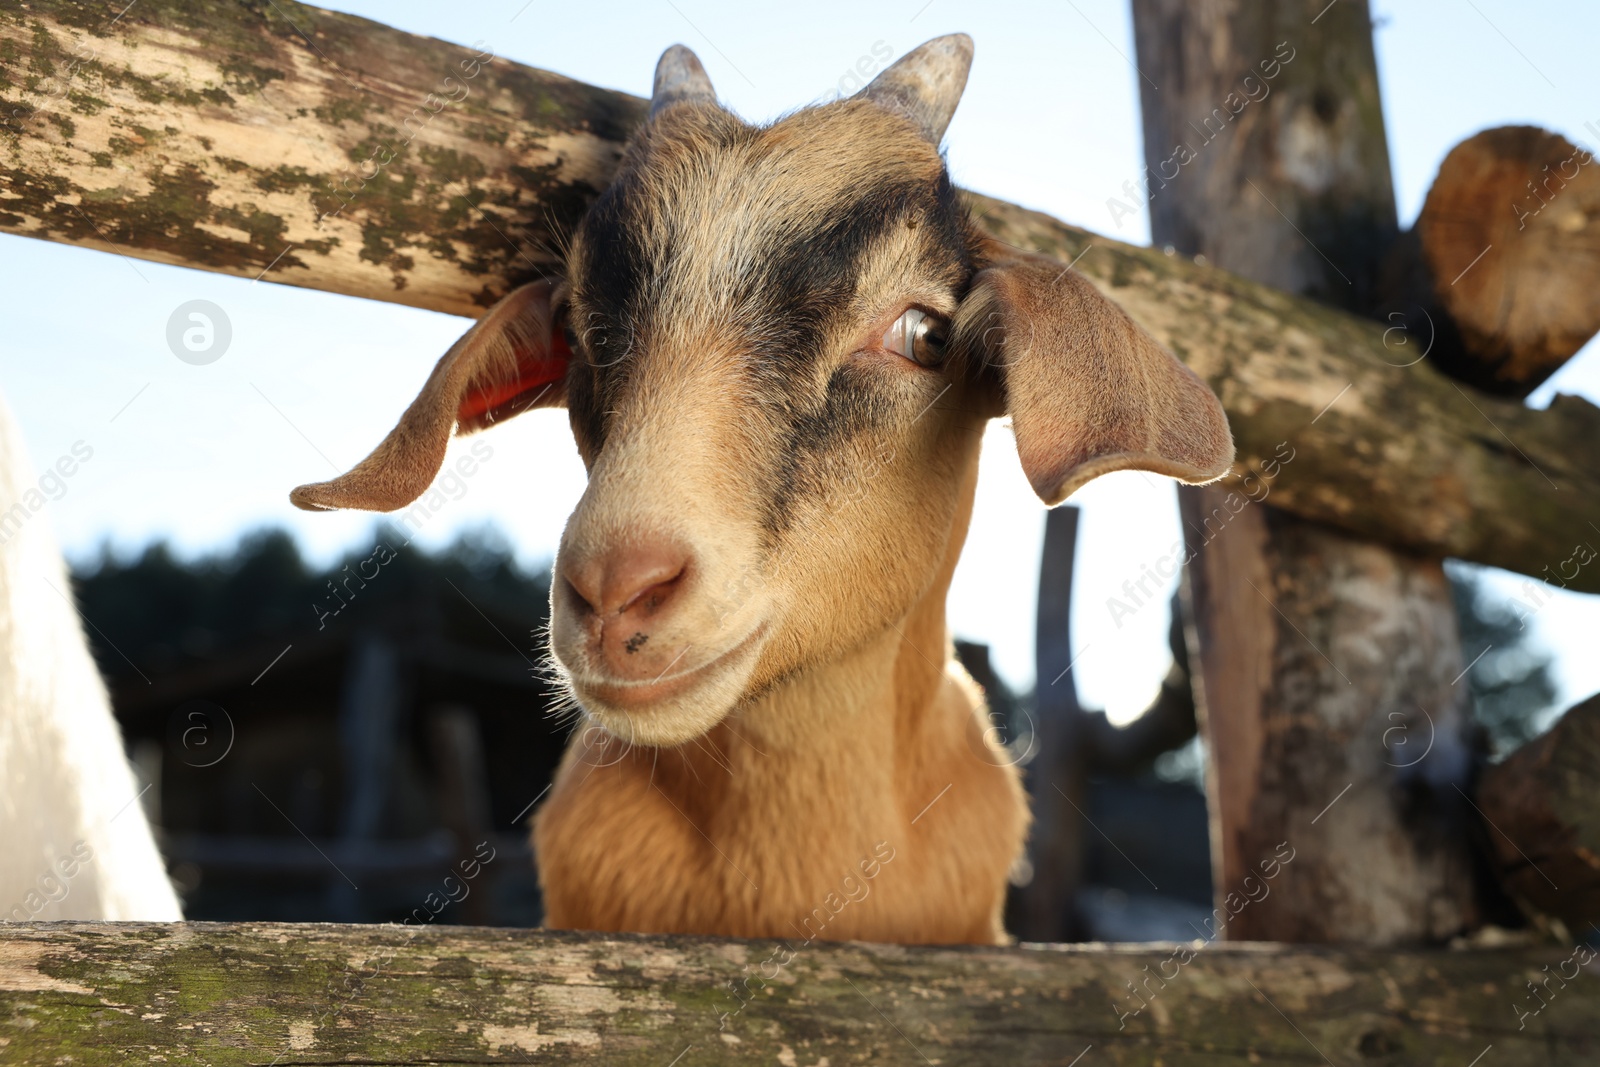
926 83
511 360
1088 391
680 78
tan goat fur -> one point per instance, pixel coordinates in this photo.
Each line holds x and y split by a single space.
749 600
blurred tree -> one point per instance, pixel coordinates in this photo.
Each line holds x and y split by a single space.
1512 691
164 613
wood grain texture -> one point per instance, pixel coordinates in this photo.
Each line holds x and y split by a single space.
1542 812
219 995
216 136
1504 262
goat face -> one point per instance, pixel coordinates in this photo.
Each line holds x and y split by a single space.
778 347
762 394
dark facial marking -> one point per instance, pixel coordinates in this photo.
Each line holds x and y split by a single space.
851 405
612 282
784 308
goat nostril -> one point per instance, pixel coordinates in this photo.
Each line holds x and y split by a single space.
636 580
649 595
588 597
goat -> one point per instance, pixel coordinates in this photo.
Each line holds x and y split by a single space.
778 347
74 843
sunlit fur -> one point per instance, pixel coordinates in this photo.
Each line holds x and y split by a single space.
748 601
727 296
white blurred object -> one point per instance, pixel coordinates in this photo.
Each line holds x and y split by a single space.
74 843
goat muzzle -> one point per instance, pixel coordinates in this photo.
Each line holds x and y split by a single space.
625 600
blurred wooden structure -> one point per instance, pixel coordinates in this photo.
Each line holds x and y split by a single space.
1542 811
292 762
1096 829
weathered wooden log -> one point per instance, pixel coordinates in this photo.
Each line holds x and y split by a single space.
1384 448
1317 648
323 150
1500 278
304 146
1333 725
218 995
1541 810
1260 94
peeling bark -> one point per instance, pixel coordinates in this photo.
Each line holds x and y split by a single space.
216 136
308 147
218 995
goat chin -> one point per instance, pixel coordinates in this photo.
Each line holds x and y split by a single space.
76 843
677 708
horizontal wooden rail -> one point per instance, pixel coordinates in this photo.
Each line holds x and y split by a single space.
222 994
266 138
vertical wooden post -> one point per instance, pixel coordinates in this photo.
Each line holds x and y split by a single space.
369 714
1265 143
1334 721
1046 907
464 799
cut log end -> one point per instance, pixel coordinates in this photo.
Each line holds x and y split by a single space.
1510 241
1542 809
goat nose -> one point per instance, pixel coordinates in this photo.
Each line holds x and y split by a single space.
635 578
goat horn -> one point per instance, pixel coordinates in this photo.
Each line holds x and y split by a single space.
680 78
925 84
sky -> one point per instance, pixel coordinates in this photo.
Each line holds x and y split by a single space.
198 454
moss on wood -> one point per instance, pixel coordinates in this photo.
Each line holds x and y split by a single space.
377 155
225 994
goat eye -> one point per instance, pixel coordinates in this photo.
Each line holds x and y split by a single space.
917 336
